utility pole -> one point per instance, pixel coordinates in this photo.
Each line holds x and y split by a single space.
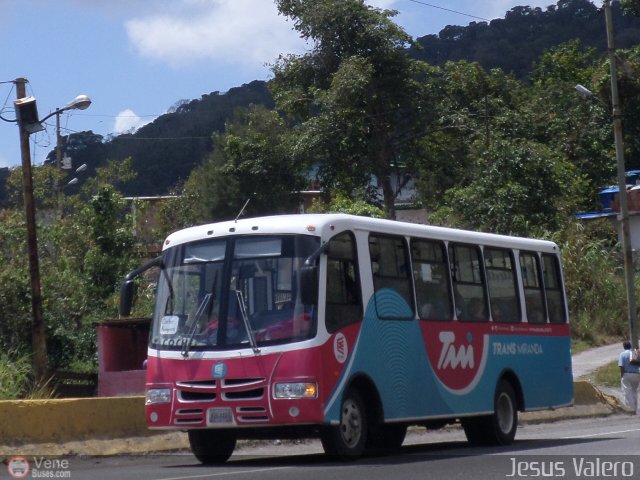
629 268
38 335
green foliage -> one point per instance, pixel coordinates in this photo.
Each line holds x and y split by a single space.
181 211
595 281
357 98
85 249
343 204
251 161
516 42
16 379
630 7
519 188
567 62
609 375
15 372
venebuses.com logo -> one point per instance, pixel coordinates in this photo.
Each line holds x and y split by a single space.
18 467
38 467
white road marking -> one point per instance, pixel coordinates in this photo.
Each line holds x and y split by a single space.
221 474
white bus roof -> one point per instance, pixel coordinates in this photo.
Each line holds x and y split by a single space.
327 225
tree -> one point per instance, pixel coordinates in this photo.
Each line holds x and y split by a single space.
473 108
250 162
359 100
83 255
520 191
630 7
343 204
577 128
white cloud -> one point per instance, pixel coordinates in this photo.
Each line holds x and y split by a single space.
241 32
383 4
128 121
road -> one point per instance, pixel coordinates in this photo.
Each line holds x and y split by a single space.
568 449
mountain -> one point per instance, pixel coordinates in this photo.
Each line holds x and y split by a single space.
515 42
165 151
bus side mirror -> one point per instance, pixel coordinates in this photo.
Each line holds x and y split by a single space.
309 284
127 288
126 298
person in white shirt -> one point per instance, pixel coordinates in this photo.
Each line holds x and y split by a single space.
629 378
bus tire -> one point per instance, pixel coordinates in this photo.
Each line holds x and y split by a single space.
212 447
498 428
347 440
388 436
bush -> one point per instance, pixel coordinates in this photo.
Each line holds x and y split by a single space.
15 376
595 283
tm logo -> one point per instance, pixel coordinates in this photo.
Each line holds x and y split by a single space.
340 348
449 357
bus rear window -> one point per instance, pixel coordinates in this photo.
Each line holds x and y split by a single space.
553 289
532 284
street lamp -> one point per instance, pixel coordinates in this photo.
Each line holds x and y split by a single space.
28 123
584 91
81 102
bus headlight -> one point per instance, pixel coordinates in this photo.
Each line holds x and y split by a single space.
158 395
296 390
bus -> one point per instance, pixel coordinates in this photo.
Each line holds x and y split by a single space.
351 329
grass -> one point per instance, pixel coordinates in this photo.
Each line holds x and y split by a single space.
609 375
16 381
14 376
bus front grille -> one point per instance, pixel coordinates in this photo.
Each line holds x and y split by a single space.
189 416
251 414
251 394
190 396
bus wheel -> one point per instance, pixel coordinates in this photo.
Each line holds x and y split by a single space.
498 428
347 440
212 447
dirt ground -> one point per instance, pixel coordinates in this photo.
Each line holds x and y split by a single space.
159 442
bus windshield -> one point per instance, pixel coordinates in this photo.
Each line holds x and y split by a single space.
229 293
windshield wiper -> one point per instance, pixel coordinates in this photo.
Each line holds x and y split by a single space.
186 341
247 324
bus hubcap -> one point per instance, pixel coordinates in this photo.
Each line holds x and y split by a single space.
351 427
504 411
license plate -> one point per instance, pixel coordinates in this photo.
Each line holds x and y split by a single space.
219 415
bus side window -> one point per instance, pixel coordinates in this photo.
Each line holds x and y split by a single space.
390 269
344 299
552 282
503 286
468 283
532 284
431 278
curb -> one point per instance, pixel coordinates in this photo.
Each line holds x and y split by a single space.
71 419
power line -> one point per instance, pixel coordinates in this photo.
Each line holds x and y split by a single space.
449 10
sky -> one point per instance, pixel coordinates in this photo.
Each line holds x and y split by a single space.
135 59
